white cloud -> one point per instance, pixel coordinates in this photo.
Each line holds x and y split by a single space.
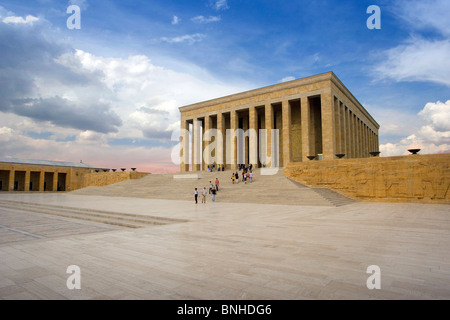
421 14
28 20
176 20
202 19
423 56
286 79
189 38
417 60
432 137
91 137
81 3
438 115
220 5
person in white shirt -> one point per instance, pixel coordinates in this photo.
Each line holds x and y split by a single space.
196 195
204 192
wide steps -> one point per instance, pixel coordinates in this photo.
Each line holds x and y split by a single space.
266 189
106 217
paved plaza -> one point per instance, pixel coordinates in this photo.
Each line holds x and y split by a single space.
221 250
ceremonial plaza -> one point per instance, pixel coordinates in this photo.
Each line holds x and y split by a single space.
325 216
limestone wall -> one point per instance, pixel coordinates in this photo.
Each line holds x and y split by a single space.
100 179
413 178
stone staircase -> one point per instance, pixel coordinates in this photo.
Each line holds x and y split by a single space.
265 189
106 217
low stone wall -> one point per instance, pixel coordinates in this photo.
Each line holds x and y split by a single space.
413 178
100 179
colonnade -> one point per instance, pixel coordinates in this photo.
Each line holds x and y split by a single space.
31 180
319 126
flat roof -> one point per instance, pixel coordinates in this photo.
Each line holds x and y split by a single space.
49 163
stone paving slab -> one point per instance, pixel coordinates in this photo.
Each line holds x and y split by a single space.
235 251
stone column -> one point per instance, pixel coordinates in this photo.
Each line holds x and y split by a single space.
328 145
206 142
220 138
358 138
55 181
343 129
355 137
337 125
305 118
184 165
361 138
27 181
366 141
196 145
12 175
286 138
232 146
361 135
41 181
253 136
244 141
269 127
347 133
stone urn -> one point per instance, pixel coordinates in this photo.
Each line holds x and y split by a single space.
375 153
414 151
340 155
311 157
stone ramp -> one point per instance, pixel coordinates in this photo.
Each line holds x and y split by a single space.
106 217
332 196
265 189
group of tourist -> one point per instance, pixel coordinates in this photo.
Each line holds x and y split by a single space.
213 168
213 189
247 175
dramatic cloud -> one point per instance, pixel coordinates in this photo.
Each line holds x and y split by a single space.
35 84
64 113
432 137
60 103
202 19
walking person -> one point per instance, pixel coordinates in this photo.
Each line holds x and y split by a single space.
236 175
251 176
233 177
214 194
196 195
204 192
217 184
210 187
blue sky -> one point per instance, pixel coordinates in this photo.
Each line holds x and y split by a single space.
109 93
